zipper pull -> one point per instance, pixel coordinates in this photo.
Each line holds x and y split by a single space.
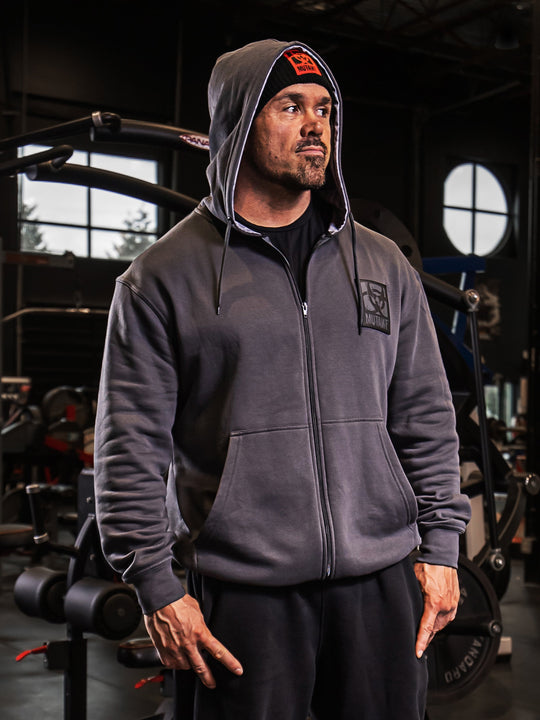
304 309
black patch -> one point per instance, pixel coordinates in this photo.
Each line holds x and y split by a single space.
375 310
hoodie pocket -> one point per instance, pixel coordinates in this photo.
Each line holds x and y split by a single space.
401 481
370 495
266 513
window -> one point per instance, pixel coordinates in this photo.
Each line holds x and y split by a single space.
57 217
476 216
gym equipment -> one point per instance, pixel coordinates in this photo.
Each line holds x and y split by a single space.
39 592
141 653
46 445
14 536
520 487
460 657
111 126
17 432
102 127
67 403
20 428
108 609
89 597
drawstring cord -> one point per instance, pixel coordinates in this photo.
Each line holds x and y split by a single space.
224 252
356 280
355 265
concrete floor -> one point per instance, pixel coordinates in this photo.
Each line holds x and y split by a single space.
28 689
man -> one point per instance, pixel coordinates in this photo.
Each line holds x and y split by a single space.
274 417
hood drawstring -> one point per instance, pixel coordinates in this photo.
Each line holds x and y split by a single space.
356 280
355 265
224 252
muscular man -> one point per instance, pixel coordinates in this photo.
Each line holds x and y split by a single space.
274 418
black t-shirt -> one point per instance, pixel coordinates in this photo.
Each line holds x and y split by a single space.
296 240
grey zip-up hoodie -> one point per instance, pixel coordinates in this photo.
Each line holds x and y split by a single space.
257 436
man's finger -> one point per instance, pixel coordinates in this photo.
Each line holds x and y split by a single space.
422 641
224 656
426 632
200 667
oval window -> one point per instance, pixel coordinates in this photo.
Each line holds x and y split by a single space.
476 218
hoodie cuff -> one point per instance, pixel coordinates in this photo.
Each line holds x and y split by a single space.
439 547
157 587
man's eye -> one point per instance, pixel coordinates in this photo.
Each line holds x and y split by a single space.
291 108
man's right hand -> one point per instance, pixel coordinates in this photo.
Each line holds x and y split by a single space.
180 634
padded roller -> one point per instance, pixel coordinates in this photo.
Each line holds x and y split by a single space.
105 608
39 592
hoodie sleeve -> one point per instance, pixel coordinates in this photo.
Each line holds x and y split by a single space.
421 422
133 448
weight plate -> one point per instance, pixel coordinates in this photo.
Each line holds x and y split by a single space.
56 402
461 656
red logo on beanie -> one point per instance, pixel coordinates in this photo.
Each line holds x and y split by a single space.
301 62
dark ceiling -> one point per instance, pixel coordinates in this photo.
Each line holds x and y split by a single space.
431 54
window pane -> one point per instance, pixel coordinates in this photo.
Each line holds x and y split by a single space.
458 226
53 202
490 230
488 218
119 246
489 193
54 239
121 212
133 167
133 222
458 186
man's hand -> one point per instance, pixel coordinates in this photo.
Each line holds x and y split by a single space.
180 634
440 588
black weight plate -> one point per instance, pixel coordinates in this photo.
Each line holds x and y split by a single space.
55 403
459 661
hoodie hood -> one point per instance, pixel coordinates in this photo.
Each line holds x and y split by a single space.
234 90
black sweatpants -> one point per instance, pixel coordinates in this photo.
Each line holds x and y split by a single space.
329 650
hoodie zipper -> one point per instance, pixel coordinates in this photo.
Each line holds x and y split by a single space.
328 549
328 544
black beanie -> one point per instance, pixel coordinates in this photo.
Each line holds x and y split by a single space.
294 66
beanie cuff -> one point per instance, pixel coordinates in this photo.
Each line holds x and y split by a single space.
293 67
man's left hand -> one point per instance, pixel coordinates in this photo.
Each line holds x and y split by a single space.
440 588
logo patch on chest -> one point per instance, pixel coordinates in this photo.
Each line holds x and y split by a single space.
375 310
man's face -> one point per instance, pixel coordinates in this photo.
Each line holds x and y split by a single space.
290 140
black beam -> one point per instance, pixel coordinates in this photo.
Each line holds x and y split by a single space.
532 517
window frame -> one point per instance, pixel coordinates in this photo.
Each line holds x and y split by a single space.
500 176
89 149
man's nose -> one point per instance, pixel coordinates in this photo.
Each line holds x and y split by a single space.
312 124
